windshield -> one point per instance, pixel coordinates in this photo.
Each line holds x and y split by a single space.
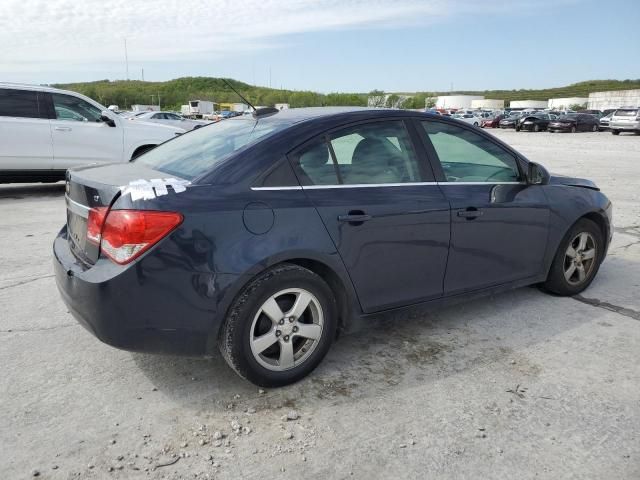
626 113
568 116
194 153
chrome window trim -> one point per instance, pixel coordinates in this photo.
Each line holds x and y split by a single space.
297 187
76 207
370 185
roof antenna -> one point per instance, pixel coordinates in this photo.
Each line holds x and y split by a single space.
257 112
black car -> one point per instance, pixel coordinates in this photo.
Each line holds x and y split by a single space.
575 122
534 122
263 236
510 121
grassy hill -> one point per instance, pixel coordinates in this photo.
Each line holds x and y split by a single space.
174 93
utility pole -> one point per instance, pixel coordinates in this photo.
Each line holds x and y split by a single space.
159 102
143 74
126 58
269 77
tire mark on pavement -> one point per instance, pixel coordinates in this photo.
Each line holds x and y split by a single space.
594 302
39 329
26 281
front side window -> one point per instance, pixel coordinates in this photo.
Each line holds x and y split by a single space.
466 156
68 107
373 153
19 103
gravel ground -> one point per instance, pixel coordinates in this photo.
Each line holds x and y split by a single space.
521 385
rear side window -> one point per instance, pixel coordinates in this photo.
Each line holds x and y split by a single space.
198 151
466 156
373 153
19 103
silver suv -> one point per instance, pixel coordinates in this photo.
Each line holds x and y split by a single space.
626 119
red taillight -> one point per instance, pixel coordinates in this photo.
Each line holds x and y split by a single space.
127 234
94 224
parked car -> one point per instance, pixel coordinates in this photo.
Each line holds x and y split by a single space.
595 113
492 122
264 236
534 122
44 131
625 120
510 121
604 122
468 118
574 122
171 119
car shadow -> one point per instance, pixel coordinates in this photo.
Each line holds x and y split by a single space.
386 355
18 191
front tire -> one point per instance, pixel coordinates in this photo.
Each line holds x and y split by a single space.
615 132
577 260
573 129
280 326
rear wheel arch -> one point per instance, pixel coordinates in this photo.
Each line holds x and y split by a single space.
344 294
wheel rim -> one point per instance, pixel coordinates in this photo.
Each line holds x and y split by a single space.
579 258
287 329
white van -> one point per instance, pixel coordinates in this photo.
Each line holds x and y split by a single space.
44 131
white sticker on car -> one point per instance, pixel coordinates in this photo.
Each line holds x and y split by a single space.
149 189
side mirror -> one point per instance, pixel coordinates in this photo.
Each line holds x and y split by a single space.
107 119
536 174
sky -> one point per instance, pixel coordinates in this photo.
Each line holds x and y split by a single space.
324 45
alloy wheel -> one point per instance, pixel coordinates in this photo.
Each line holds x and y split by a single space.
286 329
579 258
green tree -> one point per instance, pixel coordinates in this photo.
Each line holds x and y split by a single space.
376 98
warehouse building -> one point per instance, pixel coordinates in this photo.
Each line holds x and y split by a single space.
488 104
614 99
456 102
565 103
528 104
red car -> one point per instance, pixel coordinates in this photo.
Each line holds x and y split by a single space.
493 122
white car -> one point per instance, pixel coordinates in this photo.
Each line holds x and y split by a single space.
44 131
468 118
169 118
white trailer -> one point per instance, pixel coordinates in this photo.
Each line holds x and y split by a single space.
198 108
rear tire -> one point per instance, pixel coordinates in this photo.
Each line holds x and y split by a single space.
615 132
536 128
594 128
577 260
291 355
573 129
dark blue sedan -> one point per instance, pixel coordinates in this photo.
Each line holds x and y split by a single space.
264 236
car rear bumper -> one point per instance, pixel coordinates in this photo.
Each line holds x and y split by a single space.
626 126
141 307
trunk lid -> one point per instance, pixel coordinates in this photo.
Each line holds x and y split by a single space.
97 187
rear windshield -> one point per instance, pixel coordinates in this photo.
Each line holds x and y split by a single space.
626 113
198 151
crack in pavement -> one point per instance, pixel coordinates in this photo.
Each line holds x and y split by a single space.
594 302
26 281
42 329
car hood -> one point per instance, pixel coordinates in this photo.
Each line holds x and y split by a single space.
572 181
140 125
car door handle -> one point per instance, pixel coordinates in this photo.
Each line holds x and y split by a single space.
354 216
62 129
470 213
